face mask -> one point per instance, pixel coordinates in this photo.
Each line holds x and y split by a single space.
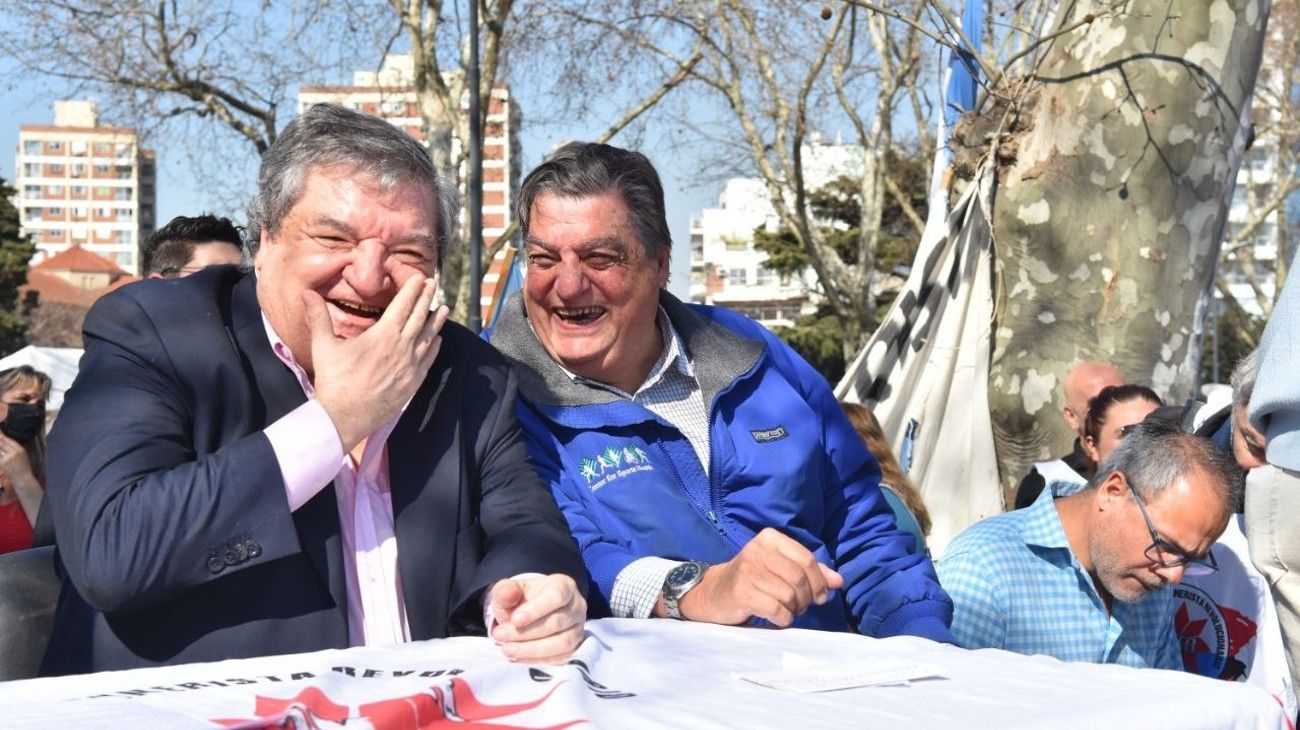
24 421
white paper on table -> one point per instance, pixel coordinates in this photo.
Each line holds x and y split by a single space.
803 679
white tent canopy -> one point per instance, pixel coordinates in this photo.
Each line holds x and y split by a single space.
60 363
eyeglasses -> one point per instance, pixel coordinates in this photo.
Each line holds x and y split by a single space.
1165 554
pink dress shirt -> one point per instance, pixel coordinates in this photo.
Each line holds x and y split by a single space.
310 455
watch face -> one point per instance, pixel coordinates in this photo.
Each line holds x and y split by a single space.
683 574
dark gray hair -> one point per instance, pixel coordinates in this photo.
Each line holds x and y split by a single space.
329 135
1155 456
584 169
1242 379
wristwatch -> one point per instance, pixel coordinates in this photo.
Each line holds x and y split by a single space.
680 580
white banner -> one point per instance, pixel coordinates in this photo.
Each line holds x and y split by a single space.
928 364
646 673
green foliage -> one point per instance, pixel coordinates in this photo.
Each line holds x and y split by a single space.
1238 333
15 252
837 207
819 339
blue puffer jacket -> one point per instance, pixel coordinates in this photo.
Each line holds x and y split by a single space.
782 455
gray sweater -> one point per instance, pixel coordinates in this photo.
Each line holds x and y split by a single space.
1275 403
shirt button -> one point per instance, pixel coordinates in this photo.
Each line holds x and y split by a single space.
216 564
253 548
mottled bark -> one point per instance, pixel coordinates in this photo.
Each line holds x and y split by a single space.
1107 222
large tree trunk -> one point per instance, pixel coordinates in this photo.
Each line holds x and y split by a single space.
1109 213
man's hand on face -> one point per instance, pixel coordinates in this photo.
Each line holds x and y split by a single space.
364 382
539 620
773 577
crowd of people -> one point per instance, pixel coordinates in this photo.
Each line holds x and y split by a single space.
301 452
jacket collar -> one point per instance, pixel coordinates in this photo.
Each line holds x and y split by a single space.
718 356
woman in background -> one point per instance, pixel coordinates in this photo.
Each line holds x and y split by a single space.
22 454
909 511
1111 412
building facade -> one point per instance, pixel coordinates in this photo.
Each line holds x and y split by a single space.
729 271
80 183
390 94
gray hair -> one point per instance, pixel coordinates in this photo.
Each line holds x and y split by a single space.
1155 456
1242 379
584 169
329 135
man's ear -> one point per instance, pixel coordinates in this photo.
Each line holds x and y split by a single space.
663 259
1090 448
263 240
1112 491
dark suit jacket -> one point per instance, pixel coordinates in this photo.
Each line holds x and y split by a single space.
173 527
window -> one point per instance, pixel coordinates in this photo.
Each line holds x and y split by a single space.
765 277
31 169
78 170
54 212
103 148
31 191
122 236
32 213
124 259
54 190
31 147
55 146
101 168
120 193
736 277
79 190
103 191
103 212
56 169
125 213
735 244
123 173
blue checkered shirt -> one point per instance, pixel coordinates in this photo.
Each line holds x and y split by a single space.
1016 585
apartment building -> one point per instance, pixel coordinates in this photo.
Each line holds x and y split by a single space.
80 183
726 268
389 93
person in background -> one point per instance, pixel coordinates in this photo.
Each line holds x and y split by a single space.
909 510
22 454
1082 384
1088 577
186 245
1110 414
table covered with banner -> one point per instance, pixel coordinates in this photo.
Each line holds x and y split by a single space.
647 673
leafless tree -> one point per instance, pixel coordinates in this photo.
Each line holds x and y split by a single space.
1117 144
441 55
780 72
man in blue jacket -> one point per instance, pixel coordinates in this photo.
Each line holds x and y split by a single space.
705 469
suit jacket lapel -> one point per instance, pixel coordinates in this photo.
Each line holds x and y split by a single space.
317 522
425 477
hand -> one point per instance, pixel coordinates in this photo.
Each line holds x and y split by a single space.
13 461
773 577
539 619
365 381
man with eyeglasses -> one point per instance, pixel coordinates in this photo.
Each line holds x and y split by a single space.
1087 577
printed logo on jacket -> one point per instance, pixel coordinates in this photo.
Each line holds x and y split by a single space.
613 462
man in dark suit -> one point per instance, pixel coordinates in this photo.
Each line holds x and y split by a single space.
308 457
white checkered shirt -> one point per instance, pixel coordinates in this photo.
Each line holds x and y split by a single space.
672 393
